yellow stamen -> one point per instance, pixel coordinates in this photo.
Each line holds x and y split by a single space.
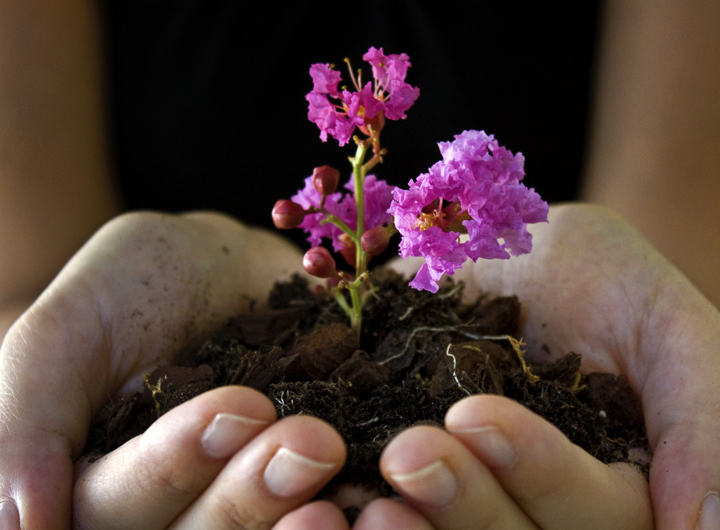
426 220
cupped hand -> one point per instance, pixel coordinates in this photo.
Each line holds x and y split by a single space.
143 289
594 286
217 461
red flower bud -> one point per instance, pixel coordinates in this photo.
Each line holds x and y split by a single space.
375 240
287 214
348 251
377 122
318 262
325 179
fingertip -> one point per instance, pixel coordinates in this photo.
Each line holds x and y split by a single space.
307 431
308 452
221 421
320 515
481 409
442 480
401 456
422 463
388 514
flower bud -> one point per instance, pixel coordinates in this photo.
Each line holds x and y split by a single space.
377 122
318 262
325 179
375 240
287 214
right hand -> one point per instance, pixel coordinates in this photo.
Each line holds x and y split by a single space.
144 289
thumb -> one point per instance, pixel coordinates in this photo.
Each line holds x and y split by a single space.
43 419
681 402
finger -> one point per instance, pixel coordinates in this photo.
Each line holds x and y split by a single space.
165 469
438 476
321 515
556 483
280 469
386 514
35 479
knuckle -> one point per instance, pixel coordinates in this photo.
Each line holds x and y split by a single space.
159 479
235 513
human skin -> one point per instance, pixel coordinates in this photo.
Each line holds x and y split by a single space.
653 154
55 187
624 307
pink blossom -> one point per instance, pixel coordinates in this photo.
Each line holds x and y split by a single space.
312 224
388 95
328 119
477 186
325 79
402 97
387 68
389 72
377 195
363 104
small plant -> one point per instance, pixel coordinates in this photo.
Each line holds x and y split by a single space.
471 204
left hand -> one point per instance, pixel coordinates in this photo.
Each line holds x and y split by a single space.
594 286
145 287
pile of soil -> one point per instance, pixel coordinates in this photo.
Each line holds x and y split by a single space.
418 354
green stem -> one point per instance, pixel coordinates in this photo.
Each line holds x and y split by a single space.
356 317
360 255
341 225
359 175
343 303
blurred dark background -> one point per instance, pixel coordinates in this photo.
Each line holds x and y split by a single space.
208 108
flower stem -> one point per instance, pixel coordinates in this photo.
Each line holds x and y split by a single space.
360 254
356 315
359 176
330 218
343 304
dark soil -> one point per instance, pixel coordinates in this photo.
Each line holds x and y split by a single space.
418 354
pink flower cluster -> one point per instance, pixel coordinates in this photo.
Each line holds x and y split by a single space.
474 189
378 195
389 95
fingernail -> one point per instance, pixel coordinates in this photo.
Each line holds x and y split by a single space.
494 449
710 513
433 485
9 517
228 433
289 474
